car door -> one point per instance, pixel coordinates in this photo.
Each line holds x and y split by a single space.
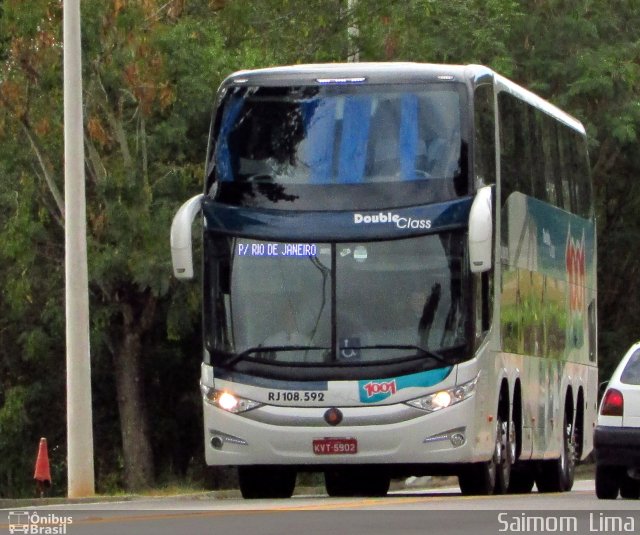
630 386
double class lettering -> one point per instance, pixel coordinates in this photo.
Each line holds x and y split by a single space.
395 219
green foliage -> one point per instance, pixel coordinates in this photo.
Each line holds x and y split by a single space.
13 417
458 31
150 73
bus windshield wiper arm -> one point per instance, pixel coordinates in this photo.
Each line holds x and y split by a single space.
234 358
420 351
230 359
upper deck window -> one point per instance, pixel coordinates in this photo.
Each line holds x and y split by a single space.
328 146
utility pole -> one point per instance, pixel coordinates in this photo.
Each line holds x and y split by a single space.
352 33
80 469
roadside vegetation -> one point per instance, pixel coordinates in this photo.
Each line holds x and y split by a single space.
151 68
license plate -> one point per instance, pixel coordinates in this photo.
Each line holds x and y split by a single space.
335 446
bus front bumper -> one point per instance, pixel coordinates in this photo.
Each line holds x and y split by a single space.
448 436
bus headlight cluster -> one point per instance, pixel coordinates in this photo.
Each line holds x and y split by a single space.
445 398
227 401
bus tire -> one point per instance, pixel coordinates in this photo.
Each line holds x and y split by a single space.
337 484
504 455
478 479
492 476
557 475
522 478
356 481
266 482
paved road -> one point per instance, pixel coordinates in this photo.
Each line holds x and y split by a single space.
442 511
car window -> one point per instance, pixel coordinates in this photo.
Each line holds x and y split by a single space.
631 373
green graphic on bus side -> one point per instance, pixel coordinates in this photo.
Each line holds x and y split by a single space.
548 280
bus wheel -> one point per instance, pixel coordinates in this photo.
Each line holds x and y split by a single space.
522 478
504 455
266 481
492 476
354 481
338 483
478 479
557 475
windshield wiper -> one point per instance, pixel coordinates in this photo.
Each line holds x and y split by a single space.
231 359
420 351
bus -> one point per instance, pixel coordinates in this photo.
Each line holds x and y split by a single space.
399 278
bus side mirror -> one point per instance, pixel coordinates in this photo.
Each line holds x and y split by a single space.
481 231
181 246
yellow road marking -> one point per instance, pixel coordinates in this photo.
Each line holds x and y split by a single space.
353 504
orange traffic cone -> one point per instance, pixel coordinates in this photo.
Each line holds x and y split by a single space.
42 473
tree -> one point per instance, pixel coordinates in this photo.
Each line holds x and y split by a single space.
585 56
151 68
142 137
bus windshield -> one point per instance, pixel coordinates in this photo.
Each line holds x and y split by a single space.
340 304
336 145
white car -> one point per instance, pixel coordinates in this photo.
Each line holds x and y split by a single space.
617 434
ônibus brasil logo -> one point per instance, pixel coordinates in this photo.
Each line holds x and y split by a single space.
399 221
38 524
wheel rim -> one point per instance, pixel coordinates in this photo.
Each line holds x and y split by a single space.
505 451
571 448
497 452
567 459
512 442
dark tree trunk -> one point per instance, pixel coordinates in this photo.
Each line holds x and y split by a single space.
137 318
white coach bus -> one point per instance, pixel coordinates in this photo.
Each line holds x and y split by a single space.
399 278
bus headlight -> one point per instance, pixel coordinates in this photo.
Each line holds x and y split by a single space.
445 398
227 401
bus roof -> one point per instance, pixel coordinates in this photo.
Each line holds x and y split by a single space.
504 84
380 72
390 72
